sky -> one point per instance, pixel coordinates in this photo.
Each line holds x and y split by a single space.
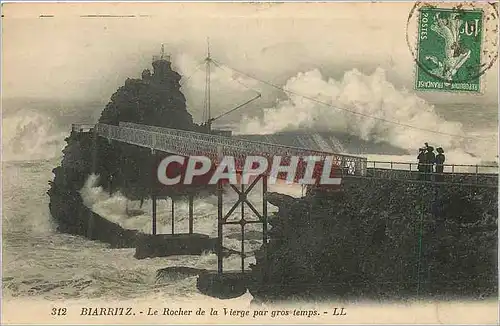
351 55
87 57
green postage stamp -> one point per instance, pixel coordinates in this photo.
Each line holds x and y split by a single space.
449 49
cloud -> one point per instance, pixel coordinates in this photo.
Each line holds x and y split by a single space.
74 57
335 52
317 103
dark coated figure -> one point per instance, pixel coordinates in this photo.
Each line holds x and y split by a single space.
430 159
440 158
421 162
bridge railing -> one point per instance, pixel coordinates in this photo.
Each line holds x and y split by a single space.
169 143
447 168
188 143
451 173
233 140
216 145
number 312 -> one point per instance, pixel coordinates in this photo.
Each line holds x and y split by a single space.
58 312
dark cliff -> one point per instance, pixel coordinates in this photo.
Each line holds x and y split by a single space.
155 100
382 239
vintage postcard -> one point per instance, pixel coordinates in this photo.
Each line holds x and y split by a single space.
249 163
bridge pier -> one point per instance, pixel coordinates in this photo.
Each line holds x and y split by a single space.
232 284
164 244
222 219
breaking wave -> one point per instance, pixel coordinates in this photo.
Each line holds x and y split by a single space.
130 215
31 135
369 96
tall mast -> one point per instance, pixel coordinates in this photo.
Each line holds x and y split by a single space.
207 86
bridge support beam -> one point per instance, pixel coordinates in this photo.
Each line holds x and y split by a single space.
153 191
264 217
242 222
110 184
191 219
173 215
153 200
220 223
222 218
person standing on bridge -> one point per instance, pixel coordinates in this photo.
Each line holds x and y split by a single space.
440 158
421 163
430 159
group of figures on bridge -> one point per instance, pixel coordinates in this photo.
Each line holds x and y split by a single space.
429 164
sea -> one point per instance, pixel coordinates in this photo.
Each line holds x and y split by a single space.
40 263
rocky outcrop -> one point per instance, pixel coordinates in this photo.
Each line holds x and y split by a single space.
156 100
382 239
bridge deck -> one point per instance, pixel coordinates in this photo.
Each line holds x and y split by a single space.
188 143
488 180
478 175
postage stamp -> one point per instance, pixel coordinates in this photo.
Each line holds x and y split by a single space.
453 45
449 49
